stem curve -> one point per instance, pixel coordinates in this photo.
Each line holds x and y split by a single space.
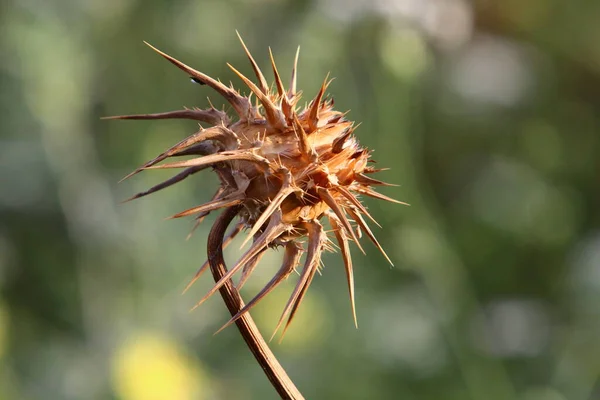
248 329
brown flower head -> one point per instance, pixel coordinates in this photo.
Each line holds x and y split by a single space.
283 169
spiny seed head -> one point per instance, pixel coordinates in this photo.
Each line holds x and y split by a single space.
283 168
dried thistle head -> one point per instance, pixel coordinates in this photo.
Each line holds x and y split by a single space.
284 169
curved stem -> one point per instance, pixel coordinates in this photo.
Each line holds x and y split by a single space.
248 329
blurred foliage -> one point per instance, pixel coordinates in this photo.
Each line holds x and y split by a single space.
486 112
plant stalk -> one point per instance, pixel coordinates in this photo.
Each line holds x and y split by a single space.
248 329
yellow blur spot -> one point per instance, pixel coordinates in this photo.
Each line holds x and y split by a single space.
153 367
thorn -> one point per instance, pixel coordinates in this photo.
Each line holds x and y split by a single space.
285 191
276 227
371 193
352 199
290 259
210 116
228 239
259 75
313 115
292 90
175 179
274 116
211 206
345 250
305 148
335 207
239 103
361 222
315 240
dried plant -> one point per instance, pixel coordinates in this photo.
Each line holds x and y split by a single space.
282 170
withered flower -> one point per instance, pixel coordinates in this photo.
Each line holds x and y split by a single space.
282 169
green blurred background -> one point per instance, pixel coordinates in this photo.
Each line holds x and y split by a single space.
486 112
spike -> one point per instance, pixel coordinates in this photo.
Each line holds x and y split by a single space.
291 257
198 149
276 227
219 133
300 297
305 147
239 103
315 240
313 114
371 170
371 193
361 222
248 269
211 159
352 199
278 83
292 89
228 239
259 75
228 201
338 143
366 180
171 181
342 240
335 207
211 116
284 192
286 106
274 116
200 217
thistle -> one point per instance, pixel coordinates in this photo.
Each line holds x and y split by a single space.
282 170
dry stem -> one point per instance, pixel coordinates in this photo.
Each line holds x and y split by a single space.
248 329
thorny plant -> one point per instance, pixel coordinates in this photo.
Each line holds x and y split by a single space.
281 170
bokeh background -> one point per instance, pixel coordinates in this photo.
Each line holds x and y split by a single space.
487 113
